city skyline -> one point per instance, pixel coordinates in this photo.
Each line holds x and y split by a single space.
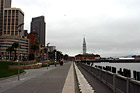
111 27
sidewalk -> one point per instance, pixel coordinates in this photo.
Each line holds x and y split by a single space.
69 86
98 86
37 81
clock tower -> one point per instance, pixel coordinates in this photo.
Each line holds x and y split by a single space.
84 46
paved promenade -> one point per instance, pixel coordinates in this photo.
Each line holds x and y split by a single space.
98 86
37 81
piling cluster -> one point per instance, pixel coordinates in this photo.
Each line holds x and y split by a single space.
107 68
124 72
136 75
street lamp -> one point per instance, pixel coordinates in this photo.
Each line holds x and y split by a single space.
19 26
55 57
47 50
47 54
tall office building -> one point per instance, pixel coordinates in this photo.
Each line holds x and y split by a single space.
7 3
12 18
38 25
3 4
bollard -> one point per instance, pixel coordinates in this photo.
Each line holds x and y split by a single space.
100 67
107 68
110 68
120 71
104 68
113 70
129 73
124 72
135 75
138 76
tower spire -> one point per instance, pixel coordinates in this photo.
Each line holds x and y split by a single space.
84 45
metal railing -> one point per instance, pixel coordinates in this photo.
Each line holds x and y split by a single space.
118 83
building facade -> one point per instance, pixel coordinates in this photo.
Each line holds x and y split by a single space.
7 3
34 40
25 33
86 57
38 25
11 31
12 18
51 48
7 41
3 4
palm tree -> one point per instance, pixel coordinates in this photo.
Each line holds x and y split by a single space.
9 49
34 48
15 45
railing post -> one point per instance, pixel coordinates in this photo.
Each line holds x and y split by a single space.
127 85
114 83
106 78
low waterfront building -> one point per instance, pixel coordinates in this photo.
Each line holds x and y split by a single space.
82 57
7 41
136 56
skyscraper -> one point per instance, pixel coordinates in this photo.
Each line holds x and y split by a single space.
7 4
3 4
38 25
84 46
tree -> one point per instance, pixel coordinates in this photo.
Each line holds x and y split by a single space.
10 49
66 57
59 55
15 45
34 48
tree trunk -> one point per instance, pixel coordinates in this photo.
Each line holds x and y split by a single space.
15 55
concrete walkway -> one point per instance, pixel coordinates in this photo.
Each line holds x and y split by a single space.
98 86
83 84
45 81
69 86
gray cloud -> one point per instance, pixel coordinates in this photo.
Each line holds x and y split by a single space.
111 26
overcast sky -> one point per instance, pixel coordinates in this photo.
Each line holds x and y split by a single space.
111 27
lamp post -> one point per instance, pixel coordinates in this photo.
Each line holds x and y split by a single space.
19 26
47 53
55 57
47 50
